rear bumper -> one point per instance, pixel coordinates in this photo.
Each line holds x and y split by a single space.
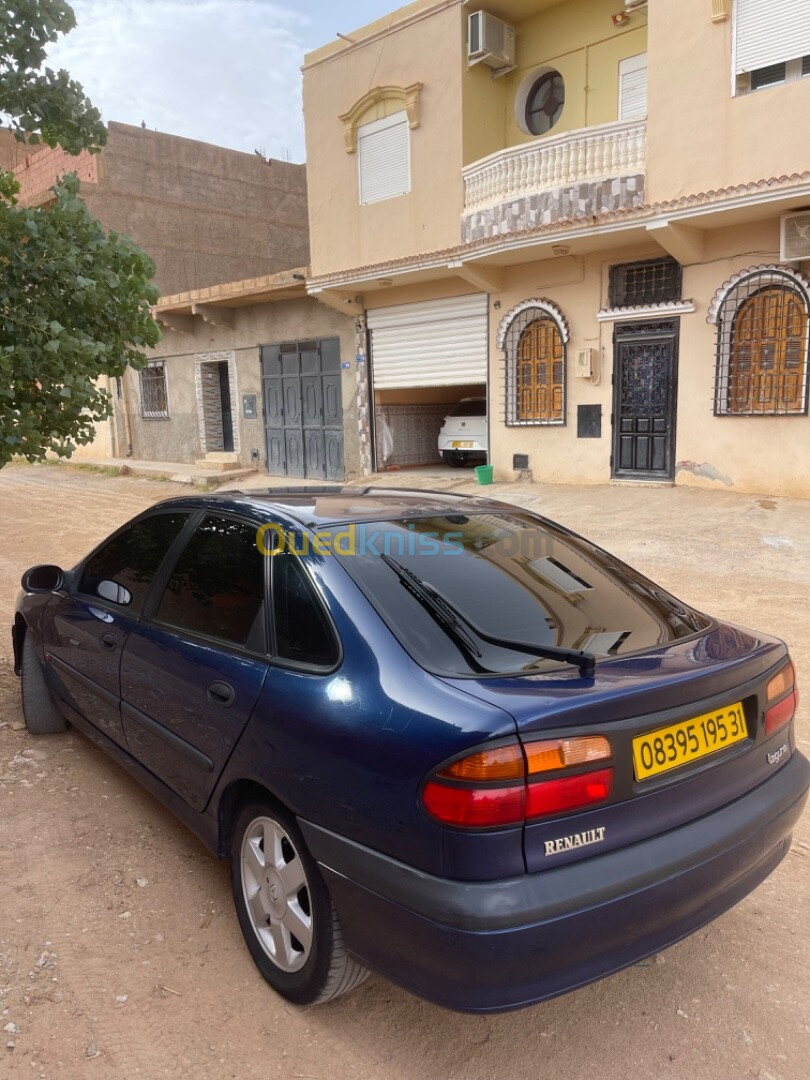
494 945
476 445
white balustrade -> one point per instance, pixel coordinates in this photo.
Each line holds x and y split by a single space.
589 154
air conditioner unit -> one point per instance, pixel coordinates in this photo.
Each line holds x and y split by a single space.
583 363
794 237
490 41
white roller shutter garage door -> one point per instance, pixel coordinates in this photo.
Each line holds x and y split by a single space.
435 343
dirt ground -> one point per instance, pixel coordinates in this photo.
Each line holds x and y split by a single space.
120 955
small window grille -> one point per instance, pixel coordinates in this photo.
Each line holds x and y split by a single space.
653 281
154 398
762 345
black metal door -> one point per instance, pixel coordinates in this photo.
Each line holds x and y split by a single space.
644 399
303 409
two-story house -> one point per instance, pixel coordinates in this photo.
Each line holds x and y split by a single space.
594 214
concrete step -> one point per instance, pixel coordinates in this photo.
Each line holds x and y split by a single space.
216 464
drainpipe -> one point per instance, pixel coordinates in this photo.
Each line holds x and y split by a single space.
125 411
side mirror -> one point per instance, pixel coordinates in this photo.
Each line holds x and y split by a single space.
116 594
43 579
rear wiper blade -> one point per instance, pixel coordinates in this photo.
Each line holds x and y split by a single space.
585 661
436 605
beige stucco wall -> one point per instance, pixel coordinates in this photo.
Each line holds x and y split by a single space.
700 137
753 454
178 438
343 233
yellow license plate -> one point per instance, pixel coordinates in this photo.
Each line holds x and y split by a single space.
461 444
670 747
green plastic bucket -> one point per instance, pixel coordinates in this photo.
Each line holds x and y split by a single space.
483 473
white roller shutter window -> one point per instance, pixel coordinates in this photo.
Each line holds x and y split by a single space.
633 88
435 343
384 158
769 32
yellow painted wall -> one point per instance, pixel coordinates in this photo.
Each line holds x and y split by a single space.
578 40
700 137
343 233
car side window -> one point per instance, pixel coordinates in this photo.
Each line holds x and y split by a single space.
303 632
130 561
216 589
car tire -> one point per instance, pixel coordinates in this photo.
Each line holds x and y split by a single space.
285 911
39 711
455 460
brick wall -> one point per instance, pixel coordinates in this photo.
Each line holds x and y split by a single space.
41 167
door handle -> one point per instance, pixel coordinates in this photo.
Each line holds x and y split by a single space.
220 693
109 641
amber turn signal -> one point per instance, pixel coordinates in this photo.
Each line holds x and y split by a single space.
501 763
781 682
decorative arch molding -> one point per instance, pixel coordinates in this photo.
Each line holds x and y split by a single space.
545 306
742 276
407 97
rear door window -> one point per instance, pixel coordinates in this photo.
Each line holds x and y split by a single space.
216 588
131 560
302 629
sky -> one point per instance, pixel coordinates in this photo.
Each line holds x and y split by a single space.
223 71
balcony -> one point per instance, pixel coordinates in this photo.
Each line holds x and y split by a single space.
575 175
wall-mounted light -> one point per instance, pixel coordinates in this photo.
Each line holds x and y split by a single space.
560 249
621 18
385 281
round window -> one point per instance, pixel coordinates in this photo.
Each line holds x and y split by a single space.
544 103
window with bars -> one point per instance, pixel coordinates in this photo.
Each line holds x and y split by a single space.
154 397
535 370
652 281
762 342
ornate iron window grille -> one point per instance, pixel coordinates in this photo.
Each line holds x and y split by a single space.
763 331
652 281
535 345
154 397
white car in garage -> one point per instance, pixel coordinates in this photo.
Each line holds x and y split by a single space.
463 436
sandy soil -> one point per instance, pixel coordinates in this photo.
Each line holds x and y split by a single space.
120 955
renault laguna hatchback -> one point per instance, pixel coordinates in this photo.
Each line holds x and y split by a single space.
438 737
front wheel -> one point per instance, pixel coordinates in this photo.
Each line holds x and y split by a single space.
285 911
39 712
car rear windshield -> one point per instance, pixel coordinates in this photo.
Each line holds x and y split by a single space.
498 593
473 407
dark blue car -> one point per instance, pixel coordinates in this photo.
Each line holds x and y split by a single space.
438 737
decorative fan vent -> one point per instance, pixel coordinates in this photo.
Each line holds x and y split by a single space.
794 243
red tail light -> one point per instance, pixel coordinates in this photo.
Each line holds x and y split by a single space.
475 792
782 691
568 793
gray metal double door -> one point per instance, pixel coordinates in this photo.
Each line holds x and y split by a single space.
303 409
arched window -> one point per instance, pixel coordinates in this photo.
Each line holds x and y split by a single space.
534 336
762 344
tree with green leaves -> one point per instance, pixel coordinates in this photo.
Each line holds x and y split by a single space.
74 300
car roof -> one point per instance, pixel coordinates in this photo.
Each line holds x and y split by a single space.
333 505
